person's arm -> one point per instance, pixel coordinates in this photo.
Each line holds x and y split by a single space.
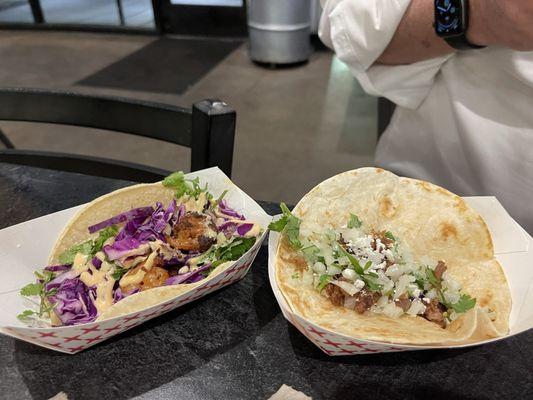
492 22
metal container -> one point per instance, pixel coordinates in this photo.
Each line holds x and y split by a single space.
279 30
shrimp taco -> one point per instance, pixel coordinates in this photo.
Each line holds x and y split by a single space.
374 256
136 247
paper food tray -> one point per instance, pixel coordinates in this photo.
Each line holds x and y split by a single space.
513 248
25 248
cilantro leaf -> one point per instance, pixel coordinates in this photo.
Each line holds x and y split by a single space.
25 315
295 275
233 250
32 289
67 257
354 221
323 281
288 224
311 252
118 273
390 236
352 260
464 304
370 282
279 225
432 278
182 186
103 236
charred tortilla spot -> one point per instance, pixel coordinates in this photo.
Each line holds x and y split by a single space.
448 230
386 208
299 263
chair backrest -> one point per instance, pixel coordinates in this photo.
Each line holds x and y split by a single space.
208 128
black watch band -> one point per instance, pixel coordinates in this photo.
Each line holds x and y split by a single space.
454 27
461 43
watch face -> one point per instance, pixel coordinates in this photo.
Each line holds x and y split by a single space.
449 17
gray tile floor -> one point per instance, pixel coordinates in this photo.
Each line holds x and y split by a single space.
295 126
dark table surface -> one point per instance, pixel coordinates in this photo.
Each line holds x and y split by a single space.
234 343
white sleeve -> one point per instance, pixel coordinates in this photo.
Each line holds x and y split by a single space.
359 31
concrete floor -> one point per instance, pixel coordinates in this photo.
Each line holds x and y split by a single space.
295 126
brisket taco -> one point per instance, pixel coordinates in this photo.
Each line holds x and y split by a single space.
136 247
374 256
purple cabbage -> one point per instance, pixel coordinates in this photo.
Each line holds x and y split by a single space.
58 280
189 277
74 302
243 229
57 268
122 248
230 227
119 295
151 227
96 262
226 210
136 213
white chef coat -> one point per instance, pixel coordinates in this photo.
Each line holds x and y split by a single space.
464 121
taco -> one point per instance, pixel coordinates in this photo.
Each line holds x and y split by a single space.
374 256
137 247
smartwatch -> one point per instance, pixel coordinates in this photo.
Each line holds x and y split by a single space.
451 23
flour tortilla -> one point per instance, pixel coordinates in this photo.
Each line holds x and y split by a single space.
433 224
105 207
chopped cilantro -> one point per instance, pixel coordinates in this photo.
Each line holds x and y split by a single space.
288 224
103 236
464 304
352 260
232 251
323 281
354 221
370 282
311 252
38 289
26 314
32 289
118 273
432 278
89 247
182 186
390 236
67 257
295 275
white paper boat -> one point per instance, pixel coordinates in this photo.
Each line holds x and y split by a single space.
25 248
513 248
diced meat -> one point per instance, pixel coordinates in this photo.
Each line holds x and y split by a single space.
335 294
194 232
435 313
439 269
360 302
383 239
365 299
403 302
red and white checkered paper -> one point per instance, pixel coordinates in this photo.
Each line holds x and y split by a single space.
513 248
71 339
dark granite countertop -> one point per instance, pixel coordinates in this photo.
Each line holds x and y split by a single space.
232 344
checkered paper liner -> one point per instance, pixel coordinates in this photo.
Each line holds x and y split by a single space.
73 339
513 248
